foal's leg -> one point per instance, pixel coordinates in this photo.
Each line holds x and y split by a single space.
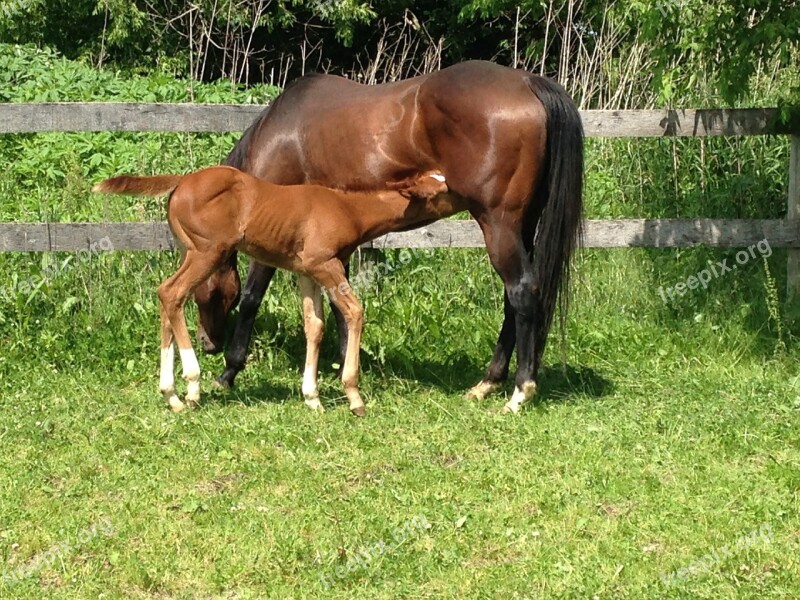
341 324
259 277
330 276
314 328
166 383
173 293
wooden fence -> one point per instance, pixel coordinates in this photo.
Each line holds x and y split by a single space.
658 233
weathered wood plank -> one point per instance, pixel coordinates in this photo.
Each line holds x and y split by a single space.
56 237
123 116
647 233
682 123
681 233
656 233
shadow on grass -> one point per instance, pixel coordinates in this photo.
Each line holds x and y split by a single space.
264 391
559 384
556 383
449 374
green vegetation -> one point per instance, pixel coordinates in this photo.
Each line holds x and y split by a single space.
670 432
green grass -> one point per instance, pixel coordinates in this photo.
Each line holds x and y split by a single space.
654 446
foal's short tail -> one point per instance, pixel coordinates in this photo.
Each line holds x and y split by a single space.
130 185
559 228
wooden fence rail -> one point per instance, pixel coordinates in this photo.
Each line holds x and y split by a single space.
641 233
659 233
134 116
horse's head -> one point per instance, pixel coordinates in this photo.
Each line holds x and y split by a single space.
425 186
216 298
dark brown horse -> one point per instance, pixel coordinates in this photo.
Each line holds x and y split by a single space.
509 143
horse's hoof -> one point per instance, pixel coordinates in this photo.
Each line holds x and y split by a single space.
219 384
225 380
519 398
359 411
481 390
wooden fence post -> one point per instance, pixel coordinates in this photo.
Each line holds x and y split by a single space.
793 255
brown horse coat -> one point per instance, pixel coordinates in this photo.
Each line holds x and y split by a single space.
308 229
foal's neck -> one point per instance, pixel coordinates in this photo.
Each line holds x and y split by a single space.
386 211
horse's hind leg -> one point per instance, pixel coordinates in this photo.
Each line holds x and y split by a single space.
510 258
497 372
166 384
331 276
314 329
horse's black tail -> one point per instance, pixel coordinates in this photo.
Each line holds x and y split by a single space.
560 225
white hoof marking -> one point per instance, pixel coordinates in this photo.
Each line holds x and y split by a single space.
519 398
481 390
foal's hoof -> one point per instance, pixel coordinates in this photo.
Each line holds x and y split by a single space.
481 390
219 384
359 411
176 405
315 405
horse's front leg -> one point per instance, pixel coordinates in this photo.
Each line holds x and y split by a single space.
258 279
314 328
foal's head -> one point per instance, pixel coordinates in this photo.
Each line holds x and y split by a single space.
424 186
216 298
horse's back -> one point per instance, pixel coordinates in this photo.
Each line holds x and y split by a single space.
340 133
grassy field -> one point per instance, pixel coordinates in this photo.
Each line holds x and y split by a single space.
662 441
662 459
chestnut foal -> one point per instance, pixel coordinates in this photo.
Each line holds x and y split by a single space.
308 229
